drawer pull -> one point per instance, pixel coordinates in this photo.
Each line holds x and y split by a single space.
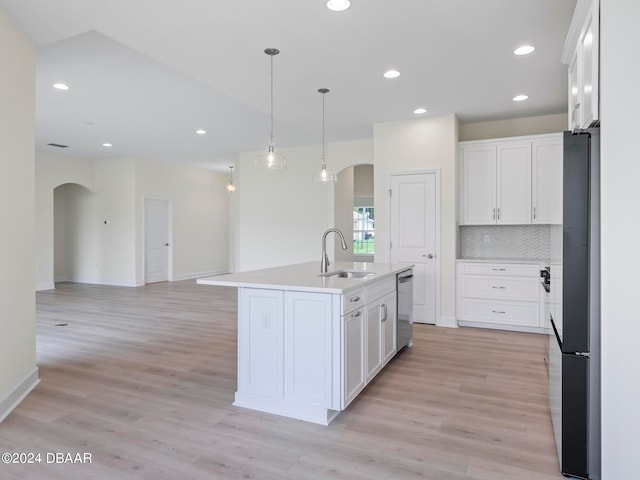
356 314
500 288
498 311
354 299
498 269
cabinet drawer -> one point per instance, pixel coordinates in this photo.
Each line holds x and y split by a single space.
501 287
380 288
525 314
352 300
514 269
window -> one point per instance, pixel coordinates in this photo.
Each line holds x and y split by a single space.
363 230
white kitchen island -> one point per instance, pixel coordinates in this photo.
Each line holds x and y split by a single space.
308 343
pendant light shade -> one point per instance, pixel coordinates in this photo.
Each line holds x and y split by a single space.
230 186
324 175
271 160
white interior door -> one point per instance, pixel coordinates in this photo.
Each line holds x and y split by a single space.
414 233
156 214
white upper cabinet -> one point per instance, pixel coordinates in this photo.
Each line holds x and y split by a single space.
546 176
479 184
581 54
515 181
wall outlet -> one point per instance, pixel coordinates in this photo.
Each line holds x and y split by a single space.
266 321
487 239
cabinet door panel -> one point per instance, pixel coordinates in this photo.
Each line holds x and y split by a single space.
389 327
308 348
354 380
478 185
547 181
373 333
514 183
589 109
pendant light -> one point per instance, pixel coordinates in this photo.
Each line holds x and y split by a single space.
324 175
271 160
230 186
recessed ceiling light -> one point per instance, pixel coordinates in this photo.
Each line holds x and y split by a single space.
61 86
201 132
524 50
520 98
338 5
391 74
107 145
419 111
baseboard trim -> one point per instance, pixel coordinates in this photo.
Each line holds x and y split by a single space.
191 276
13 398
446 321
113 283
45 286
497 326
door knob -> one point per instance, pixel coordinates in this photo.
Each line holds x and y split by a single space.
430 255
166 244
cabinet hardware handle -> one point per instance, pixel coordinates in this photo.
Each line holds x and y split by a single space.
498 214
498 269
356 314
384 307
498 311
500 288
534 213
494 213
354 299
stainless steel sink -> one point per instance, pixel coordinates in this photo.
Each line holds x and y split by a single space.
349 274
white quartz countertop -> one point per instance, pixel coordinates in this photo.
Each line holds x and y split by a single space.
530 261
306 277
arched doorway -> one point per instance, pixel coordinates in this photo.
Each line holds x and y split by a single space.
75 233
354 213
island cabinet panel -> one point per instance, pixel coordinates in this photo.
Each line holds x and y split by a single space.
261 345
389 327
374 337
353 352
308 348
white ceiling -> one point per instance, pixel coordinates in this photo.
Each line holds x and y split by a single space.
145 74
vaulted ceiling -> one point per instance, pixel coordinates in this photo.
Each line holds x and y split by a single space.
144 75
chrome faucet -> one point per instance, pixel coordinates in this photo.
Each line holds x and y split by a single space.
325 258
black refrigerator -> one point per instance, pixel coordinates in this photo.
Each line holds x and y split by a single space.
574 348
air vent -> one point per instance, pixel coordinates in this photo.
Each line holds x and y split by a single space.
57 145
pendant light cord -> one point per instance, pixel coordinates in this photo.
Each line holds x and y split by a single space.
323 156
271 134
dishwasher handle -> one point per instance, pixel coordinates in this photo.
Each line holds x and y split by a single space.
405 279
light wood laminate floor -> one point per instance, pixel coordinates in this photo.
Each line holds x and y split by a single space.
143 379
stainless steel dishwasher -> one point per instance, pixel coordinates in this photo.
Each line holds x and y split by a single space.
404 289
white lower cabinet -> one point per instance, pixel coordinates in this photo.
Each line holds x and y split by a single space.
353 351
495 295
371 334
308 348
389 327
307 355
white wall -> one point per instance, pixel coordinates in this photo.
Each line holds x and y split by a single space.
111 253
18 371
513 127
200 211
413 145
620 77
279 217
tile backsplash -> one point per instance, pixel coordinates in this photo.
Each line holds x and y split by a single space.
526 242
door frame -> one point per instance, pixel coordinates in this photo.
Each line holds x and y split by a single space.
436 172
169 204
